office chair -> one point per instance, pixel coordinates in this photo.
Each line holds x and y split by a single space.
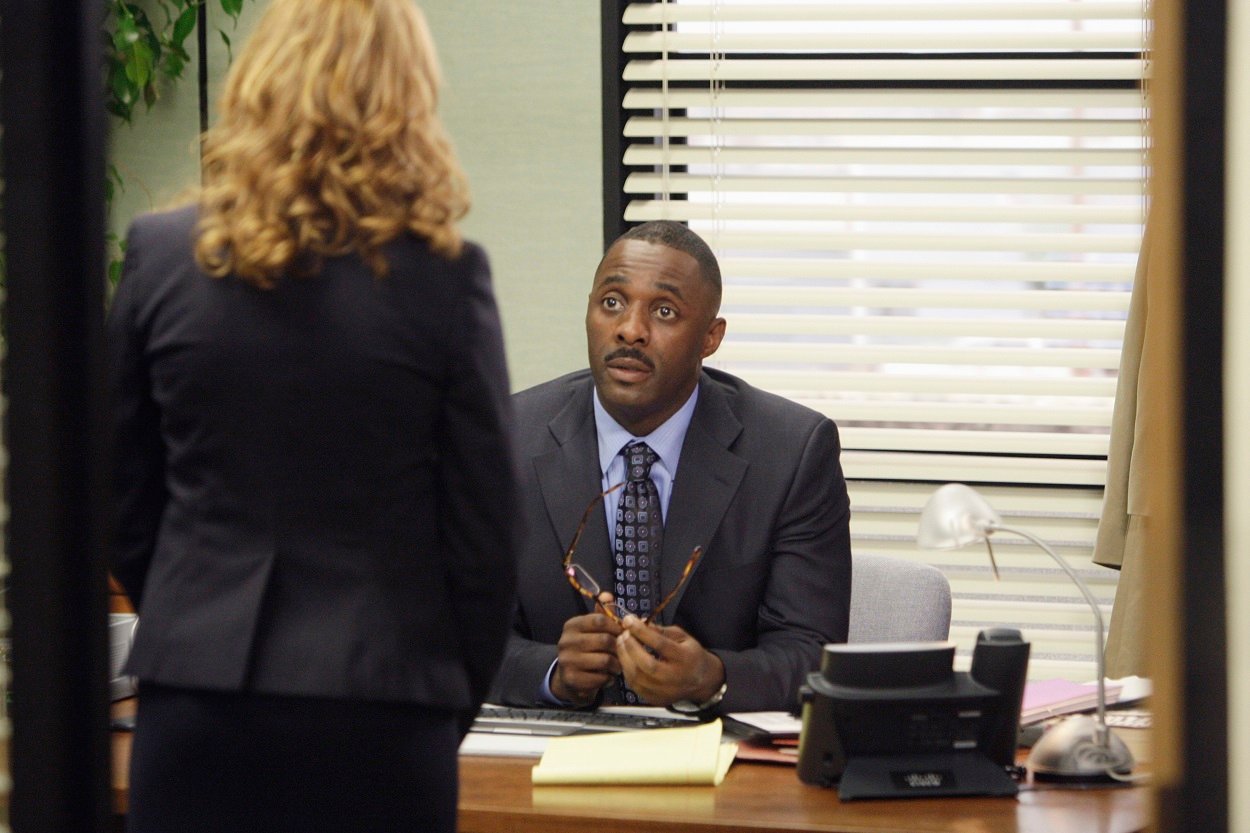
895 600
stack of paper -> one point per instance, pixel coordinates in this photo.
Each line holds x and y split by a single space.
779 740
1051 698
694 755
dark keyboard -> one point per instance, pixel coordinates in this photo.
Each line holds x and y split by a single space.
508 720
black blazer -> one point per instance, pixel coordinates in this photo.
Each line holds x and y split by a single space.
314 482
759 486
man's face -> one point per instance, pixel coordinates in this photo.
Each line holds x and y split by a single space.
650 322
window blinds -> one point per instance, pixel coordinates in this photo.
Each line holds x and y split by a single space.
927 215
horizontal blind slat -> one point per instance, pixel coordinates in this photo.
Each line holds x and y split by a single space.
1022 504
917 298
1072 214
1127 126
726 185
970 441
975 413
905 357
943 468
919 438
883 241
867 69
639 14
897 156
800 383
780 269
1023 40
1091 102
911 326
910 357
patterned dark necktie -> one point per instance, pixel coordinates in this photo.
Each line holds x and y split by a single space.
639 529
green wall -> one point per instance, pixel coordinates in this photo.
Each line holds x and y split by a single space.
522 104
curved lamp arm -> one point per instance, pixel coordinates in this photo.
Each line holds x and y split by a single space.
1093 604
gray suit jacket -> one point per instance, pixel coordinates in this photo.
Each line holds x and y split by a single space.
759 486
314 482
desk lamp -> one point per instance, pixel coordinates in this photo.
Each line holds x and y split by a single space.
1080 748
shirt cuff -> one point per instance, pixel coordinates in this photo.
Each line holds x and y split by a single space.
544 692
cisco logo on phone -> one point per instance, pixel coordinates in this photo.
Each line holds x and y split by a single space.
922 780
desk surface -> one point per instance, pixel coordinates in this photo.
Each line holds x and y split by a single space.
496 796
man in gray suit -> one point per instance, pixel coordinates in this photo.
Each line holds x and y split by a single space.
751 479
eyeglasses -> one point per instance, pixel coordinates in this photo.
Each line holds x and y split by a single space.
586 585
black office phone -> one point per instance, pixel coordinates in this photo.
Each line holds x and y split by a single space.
893 720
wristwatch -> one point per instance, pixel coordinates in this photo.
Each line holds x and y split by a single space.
691 707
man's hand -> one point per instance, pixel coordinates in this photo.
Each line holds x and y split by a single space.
664 664
586 659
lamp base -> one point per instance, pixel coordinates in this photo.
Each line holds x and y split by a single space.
1071 751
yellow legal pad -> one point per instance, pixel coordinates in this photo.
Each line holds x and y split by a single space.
685 755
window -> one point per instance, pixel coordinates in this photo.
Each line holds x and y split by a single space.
928 215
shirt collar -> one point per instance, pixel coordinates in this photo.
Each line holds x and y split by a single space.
666 440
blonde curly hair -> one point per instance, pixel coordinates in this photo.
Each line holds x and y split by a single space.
327 143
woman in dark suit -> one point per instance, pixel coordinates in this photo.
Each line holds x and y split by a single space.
315 477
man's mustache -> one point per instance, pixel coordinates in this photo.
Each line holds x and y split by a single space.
629 353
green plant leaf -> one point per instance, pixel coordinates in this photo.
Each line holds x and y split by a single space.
115 270
116 244
117 109
124 90
232 7
184 26
139 64
114 177
127 31
168 9
155 37
174 64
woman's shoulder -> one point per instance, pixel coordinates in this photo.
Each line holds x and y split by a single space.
172 228
171 231
470 254
170 219
412 256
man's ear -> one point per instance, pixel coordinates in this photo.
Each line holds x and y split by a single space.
712 340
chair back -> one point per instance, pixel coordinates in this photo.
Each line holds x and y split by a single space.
896 600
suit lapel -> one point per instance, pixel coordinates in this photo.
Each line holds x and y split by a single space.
568 477
708 477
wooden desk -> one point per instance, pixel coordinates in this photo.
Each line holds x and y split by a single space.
496 796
